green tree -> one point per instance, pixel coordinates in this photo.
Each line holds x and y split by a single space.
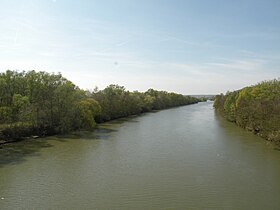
88 109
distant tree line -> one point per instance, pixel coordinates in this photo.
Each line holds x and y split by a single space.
41 103
255 108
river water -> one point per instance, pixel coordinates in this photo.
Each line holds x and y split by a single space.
180 158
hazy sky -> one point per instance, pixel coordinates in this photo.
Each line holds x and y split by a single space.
186 46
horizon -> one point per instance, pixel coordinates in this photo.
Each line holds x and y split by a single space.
188 47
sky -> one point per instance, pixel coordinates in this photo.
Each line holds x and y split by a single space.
184 46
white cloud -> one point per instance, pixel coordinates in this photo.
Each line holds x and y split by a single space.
240 65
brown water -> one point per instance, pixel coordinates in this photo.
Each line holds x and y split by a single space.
181 158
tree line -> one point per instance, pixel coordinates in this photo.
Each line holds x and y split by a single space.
255 108
41 103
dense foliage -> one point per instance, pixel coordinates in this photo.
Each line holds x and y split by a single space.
117 102
255 108
40 103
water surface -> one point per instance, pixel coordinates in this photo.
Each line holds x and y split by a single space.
181 158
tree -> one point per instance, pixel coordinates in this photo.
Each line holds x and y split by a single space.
88 109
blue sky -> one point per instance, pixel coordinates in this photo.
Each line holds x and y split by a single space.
186 46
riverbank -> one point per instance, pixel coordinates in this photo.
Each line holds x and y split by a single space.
255 108
44 104
21 132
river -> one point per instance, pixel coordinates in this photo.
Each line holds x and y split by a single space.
180 158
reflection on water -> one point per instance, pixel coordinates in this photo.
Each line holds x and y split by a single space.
15 153
182 158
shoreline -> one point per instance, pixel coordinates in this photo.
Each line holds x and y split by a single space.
4 142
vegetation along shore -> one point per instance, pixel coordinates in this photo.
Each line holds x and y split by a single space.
255 108
41 104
